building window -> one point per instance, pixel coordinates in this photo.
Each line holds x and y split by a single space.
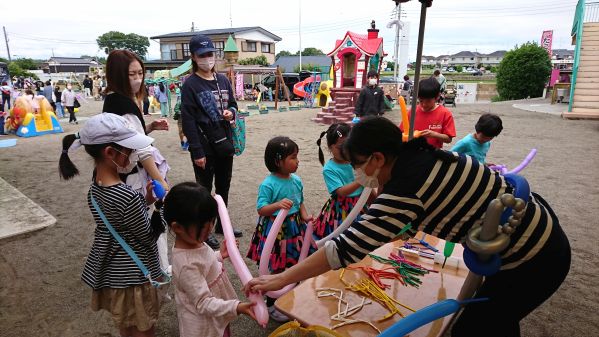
472 59
220 46
266 47
249 46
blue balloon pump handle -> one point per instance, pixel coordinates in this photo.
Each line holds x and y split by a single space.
159 191
426 315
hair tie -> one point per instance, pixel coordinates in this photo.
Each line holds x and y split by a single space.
65 151
339 134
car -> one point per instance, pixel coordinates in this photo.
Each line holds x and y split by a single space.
290 80
390 80
477 72
444 69
451 70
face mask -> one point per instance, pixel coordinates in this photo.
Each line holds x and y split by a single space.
365 180
125 169
135 85
372 81
69 87
206 63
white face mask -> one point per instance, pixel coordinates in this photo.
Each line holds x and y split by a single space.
69 87
206 63
135 85
365 180
372 81
129 167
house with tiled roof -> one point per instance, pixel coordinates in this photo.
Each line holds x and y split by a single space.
68 65
250 41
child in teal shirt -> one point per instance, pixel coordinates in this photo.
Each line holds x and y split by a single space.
477 144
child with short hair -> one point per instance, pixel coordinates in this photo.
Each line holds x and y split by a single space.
339 177
477 144
206 300
434 121
119 285
281 189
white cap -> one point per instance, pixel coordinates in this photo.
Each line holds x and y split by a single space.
107 128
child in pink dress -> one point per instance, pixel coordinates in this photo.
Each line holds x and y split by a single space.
206 301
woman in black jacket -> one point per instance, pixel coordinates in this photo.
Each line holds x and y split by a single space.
207 108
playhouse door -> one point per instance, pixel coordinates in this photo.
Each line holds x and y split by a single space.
349 70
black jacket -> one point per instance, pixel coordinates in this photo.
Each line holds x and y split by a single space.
370 102
122 105
202 106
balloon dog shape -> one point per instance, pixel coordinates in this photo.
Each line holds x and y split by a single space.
503 169
240 267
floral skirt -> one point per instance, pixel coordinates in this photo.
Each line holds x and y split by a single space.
288 245
334 211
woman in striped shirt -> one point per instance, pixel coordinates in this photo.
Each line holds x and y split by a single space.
118 285
442 194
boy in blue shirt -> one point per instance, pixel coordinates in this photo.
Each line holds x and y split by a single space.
477 144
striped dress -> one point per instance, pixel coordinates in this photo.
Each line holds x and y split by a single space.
108 264
443 199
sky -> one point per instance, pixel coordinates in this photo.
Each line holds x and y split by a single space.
451 26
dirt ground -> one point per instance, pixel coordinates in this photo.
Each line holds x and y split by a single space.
41 293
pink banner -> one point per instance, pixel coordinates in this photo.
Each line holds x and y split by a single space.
547 40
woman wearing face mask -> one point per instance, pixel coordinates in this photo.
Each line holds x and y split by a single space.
445 195
372 98
68 101
207 107
125 91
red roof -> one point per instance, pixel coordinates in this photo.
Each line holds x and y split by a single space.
369 46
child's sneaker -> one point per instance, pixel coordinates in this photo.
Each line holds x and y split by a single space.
276 315
185 146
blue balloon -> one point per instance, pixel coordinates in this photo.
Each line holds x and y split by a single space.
422 317
159 191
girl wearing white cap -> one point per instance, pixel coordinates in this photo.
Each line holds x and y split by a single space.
118 283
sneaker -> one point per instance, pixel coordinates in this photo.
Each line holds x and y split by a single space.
213 242
185 146
276 315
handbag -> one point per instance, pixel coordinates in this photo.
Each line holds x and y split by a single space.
76 104
238 129
128 249
217 137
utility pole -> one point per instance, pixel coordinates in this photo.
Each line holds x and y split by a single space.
300 35
6 40
397 29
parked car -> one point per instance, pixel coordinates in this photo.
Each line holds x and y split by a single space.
390 80
477 72
451 70
290 80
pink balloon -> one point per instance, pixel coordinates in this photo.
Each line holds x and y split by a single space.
269 244
242 270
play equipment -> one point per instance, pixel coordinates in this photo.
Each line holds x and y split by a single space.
240 268
269 244
312 89
29 123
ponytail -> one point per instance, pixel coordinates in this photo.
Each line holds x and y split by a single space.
66 168
320 154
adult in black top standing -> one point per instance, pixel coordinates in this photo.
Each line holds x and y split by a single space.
207 107
88 86
372 98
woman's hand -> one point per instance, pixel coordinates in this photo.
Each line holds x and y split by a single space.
160 124
201 162
264 283
227 115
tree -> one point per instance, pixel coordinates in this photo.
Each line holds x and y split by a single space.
391 65
117 40
523 72
258 60
310 51
26 64
306 67
282 53
15 70
459 69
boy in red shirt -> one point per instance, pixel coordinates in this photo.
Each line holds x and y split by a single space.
434 121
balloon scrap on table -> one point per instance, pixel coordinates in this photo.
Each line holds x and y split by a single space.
241 269
269 245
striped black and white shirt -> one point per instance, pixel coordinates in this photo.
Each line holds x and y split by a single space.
443 199
108 264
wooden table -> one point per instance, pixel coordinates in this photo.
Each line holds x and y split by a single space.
302 304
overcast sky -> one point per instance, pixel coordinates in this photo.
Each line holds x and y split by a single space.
70 28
